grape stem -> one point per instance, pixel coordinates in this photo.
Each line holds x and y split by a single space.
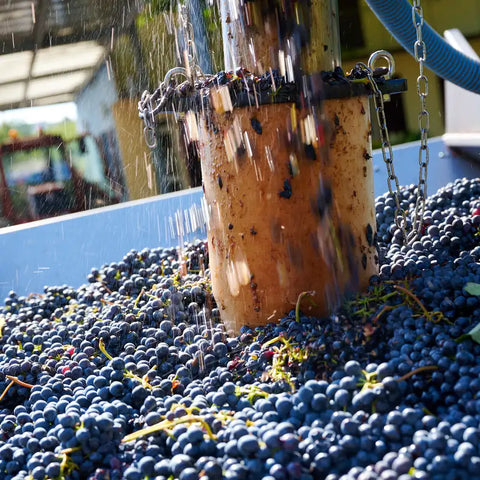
128 374
16 380
142 291
13 380
272 341
370 380
166 424
67 466
428 315
299 301
101 346
10 385
106 302
414 297
104 285
385 308
416 371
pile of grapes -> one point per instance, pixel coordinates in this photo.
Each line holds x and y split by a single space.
132 375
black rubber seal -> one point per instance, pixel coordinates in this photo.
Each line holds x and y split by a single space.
249 91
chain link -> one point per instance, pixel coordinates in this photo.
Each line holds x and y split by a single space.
189 53
420 52
152 104
387 152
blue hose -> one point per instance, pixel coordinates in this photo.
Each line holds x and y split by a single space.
443 59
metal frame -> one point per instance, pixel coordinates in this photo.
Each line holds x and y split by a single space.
39 24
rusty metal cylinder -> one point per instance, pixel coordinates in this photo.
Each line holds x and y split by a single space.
291 209
289 187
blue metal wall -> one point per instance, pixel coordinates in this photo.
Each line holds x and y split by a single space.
63 250
443 166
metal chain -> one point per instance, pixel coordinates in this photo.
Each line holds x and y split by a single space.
387 152
189 52
423 124
420 52
194 71
151 105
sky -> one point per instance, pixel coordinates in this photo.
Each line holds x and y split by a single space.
40 115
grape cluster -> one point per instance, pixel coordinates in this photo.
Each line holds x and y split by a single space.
132 376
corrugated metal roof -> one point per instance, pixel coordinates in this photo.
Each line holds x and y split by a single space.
49 49
27 80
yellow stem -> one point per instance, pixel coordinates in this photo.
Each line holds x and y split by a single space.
142 291
142 381
67 451
299 301
273 340
416 371
414 298
106 302
168 425
385 308
16 380
108 290
6 390
101 346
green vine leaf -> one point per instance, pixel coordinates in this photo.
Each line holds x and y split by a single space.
474 333
472 288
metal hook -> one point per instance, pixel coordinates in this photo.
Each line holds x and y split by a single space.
174 71
385 55
150 137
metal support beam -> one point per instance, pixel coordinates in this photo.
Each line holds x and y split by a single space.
54 76
39 28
